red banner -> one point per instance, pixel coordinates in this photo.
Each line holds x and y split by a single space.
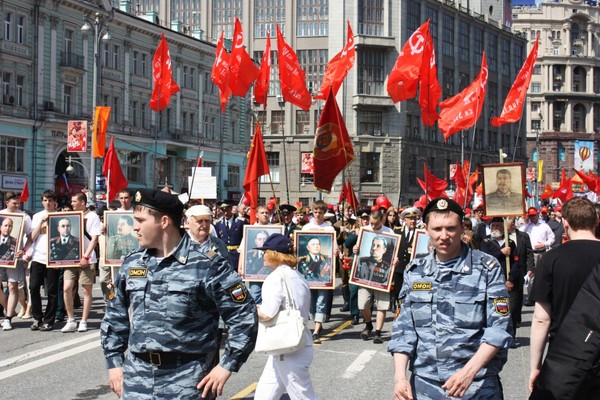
77 136
243 71
261 87
164 84
220 73
430 90
307 163
291 75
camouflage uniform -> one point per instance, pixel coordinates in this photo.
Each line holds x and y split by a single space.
175 307
446 315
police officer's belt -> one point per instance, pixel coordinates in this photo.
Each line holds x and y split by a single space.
230 248
168 359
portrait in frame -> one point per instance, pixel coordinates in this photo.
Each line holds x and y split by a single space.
65 239
373 266
120 238
251 260
420 246
11 238
316 258
503 189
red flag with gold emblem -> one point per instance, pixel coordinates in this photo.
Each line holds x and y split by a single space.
291 75
220 73
338 67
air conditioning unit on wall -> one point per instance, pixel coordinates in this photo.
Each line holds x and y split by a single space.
8 99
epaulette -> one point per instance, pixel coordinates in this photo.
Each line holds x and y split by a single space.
489 261
417 262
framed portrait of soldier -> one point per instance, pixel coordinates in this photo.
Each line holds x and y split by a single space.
65 239
251 260
11 236
120 239
503 189
421 245
373 266
316 258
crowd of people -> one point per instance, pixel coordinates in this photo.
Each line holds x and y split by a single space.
457 305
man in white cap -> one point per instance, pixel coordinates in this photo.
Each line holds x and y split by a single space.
199 227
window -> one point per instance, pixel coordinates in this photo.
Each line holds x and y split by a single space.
6 78
534 155
302 122
535 125
185 76
536 87
448 36
307 170
536 107
192 124
144 66
555 51
313 18
184 121
143 108
477 46
463 41
135 113
132 163
115 56
67 99
369 167
277 122
69 41
192 75
267 13
106 55
8 26
20 29
210 164
223 16
371 64
136 70
115 112
233 176
505 58
432 15
537 69
314 63
273 161
492 55
370 123
370 17
12 154
20 90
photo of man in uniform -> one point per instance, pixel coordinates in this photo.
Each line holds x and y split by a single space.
65 246
375 268
8 244
254 258
505 196
314 265
124 242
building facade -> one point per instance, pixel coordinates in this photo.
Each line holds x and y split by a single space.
47 80
390 143
564 96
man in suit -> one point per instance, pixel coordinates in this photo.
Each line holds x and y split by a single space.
231 231
254 259
8 244
64 246
523 255
503 199
315 266
375 268
410 216
124 242
287 214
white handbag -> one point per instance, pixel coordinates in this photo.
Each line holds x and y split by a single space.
284 333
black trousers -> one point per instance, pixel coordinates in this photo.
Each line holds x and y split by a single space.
39 274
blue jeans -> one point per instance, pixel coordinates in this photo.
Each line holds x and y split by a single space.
318 303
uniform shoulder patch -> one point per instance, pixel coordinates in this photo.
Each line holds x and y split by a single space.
501 306
238 293
422 286
138 272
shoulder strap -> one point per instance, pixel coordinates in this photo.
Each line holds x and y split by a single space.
287 283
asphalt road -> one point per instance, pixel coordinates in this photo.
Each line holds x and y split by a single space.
53 365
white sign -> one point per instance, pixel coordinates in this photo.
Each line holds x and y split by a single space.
201 171
204 187
13 182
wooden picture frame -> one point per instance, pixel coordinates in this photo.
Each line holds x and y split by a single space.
503 189
68 254
366 270
316 258
251 261
120 239
11 238
420 244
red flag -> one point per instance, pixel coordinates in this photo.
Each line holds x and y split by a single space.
564 191
338 67
261 87
527 194
257 167
199 161
164 85
347 194
403 80
430 90
513 105
333 149
548 193
115 180
243 71
25 192
421 203
463 110
590 180
220 73
291 75
433 186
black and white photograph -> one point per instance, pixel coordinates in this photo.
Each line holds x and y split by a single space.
251 259
372 266
504 189
65 239
120 237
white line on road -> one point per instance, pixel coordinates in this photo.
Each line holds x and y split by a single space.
359 364
56 347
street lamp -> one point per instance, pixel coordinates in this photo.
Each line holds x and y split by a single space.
281 102
98 27
70 168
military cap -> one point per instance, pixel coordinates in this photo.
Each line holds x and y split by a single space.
363 212
159 201
410 212
443 204
287 209
497 219
198 211
225 204
279 243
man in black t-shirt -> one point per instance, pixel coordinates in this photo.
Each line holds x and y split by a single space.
560 274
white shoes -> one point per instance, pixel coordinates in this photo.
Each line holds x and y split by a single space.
70 326
82 326
6 325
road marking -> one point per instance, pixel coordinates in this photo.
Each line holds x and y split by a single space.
359 364
45 350
48 360
335 331
245 392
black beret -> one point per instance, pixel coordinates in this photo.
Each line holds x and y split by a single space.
287 209
159 201
443 204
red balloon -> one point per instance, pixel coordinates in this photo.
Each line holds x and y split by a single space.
383 202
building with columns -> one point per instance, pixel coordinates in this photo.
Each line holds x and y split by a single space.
564 96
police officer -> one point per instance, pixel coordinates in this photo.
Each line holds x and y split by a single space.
231 231
454 322
160 328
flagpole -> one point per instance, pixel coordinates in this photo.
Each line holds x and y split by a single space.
287 186
276 203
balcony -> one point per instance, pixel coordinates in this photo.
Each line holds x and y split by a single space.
71 60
